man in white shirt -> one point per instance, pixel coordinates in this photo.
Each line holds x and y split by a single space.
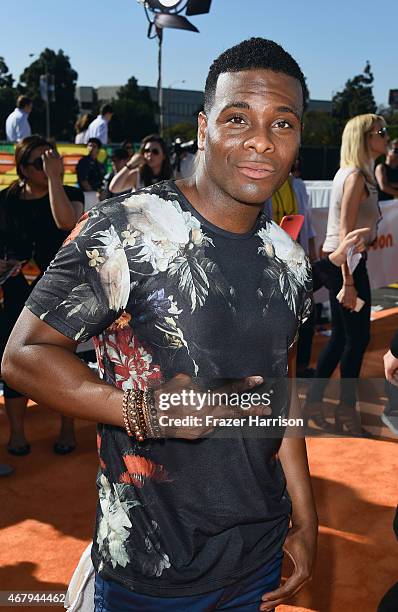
17 124
99 127
183 161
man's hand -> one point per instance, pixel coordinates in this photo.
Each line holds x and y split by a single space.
53 165
300 545
181 397
391 368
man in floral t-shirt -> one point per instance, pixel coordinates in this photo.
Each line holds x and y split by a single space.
180 284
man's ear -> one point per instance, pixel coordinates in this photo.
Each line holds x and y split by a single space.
202 129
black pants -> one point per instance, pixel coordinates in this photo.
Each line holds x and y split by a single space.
349 339
320 279
304 343
16 291
389 603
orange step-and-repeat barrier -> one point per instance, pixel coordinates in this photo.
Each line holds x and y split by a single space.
71 154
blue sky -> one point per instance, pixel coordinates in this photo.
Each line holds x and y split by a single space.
106 41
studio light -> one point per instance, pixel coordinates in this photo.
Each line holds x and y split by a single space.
165 20
193 7
169 3
163 5
163 14
198 7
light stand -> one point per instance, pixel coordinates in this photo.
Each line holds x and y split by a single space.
166 14
47 91
159 33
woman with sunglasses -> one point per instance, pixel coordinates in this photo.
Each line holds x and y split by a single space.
387 173
151 166
36 214
354 204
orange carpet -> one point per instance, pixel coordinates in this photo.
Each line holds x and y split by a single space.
48 505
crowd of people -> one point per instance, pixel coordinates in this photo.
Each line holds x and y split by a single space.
358 187
35 234
354 203
181 282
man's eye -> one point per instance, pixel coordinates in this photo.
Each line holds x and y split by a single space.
237 119
282 124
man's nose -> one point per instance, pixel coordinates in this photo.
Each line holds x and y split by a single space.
261 141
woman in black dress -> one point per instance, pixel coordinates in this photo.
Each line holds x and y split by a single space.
36 214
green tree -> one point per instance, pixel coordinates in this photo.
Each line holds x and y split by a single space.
7 96
64 110
6 78
391 118
320 128
356 98
134 113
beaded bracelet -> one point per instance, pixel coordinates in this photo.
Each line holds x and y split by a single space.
147 417
139 407
132 415
140 415
136 418
125 411
153 413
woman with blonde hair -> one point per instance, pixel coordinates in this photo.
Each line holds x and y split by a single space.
354 204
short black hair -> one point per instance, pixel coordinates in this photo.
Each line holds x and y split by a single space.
95 141
23 101
106 108
119 154
126 143
251 54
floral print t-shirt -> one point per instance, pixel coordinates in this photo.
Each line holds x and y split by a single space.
162 291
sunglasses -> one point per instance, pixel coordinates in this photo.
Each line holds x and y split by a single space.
154 151
36 163
381 132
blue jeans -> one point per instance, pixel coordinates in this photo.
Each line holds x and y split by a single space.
243 596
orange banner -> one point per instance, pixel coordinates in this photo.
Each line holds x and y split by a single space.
71 154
